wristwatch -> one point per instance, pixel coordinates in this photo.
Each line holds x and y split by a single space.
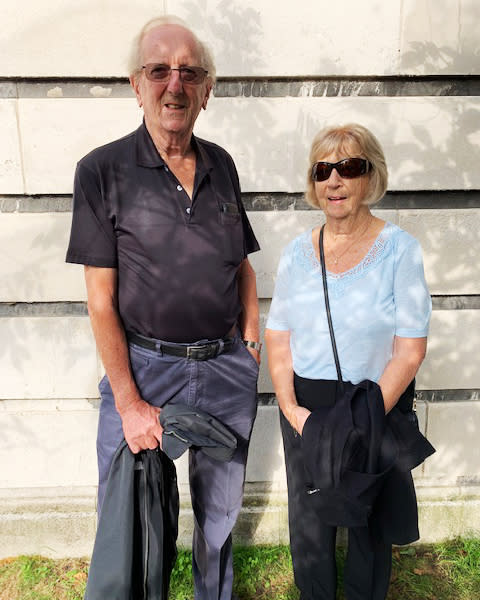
255 345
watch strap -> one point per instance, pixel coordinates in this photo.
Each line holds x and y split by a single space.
255 345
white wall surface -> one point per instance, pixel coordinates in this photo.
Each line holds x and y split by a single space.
55 38
33 268
430 143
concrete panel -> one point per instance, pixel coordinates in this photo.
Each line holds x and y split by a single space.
279 39
62 524
439 37
419 136
33 268
264 385
64 527
70 39
269 138
266 461
47 357
451 246
449 240
11 181
452 361
449 519
92 39
32 259
458 452
57 133
275 229
448 364
53 446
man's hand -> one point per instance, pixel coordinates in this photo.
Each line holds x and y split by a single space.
255 353
141 426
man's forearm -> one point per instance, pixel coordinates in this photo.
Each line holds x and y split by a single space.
110 335
113 349
247 290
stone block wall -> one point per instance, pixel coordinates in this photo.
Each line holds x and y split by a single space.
407 69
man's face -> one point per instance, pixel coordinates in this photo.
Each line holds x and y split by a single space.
170 107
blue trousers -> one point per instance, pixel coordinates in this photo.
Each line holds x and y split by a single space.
225 387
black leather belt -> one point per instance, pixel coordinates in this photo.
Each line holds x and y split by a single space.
195 352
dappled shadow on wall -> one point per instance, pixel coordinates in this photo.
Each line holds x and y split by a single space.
428 58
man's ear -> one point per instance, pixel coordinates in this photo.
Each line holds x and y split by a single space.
134 82
207 96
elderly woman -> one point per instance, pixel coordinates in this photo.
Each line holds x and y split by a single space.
380 311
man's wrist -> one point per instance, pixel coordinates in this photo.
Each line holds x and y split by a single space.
255 345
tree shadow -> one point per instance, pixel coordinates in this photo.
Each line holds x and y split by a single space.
427 57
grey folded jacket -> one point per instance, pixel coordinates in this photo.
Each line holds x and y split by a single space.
135 545
185 426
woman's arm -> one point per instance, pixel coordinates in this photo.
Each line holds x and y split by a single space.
408 355
281 371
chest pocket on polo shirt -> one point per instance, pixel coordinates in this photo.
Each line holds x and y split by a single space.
232 232
229 213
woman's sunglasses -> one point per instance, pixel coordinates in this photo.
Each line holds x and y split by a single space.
348 168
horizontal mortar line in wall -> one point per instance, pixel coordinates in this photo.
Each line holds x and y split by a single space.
264 399
45 516
79 309
456 302
43 404
43 309
270 201
459 395
449 503
432 396
17 203
420 199
261 87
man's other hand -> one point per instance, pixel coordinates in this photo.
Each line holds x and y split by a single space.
255 353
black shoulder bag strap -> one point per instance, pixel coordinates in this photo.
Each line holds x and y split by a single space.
327 306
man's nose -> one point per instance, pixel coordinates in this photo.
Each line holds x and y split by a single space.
175 84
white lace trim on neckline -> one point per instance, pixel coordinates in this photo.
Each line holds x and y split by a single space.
339 282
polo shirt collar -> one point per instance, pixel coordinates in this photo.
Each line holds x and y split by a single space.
148 156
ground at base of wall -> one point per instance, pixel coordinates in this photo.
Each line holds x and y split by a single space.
446 571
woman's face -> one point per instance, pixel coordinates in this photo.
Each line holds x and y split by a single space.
340 197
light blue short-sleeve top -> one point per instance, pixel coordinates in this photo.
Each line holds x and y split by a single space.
382 297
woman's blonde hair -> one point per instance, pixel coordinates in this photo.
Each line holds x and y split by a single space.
352 140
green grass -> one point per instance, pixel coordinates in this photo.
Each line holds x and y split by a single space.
447 571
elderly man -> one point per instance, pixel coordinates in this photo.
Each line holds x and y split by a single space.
160 227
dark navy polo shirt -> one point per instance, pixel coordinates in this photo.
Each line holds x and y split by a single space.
177 260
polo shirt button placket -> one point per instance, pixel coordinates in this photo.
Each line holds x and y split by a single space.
188 209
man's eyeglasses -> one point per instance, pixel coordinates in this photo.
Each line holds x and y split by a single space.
348 168
161 73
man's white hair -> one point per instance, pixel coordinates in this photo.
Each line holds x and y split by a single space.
135 59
